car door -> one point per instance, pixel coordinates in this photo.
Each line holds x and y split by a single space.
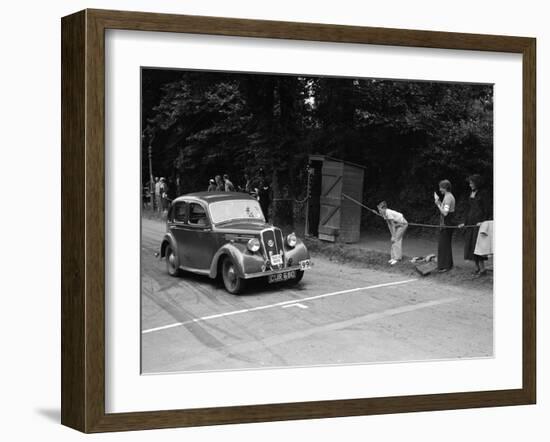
200 240
177 224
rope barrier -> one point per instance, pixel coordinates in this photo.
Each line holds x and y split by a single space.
375 212
292 199
408 224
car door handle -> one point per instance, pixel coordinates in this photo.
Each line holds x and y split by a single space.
178 227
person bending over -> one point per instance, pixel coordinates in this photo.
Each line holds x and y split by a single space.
397 225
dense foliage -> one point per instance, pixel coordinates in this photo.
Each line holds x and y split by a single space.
408 134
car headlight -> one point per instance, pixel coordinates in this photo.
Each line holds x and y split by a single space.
253 245
291 240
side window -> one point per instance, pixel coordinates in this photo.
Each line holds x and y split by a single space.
170 215
197 215
180 212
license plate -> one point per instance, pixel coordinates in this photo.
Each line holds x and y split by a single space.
281 277
276 259
305 264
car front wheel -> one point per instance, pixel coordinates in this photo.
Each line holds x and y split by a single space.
172 263
299 276
231 280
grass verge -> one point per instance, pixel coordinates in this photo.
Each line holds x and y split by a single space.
372 259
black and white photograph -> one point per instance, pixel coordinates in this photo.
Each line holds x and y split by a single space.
275 221
297 220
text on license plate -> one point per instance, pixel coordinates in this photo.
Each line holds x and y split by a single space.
280 277
305 264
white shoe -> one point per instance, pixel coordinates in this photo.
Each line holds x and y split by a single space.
393 262
390 260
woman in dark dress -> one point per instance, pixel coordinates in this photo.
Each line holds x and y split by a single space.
446 208
478 211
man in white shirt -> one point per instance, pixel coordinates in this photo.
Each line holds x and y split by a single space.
397 225
229 187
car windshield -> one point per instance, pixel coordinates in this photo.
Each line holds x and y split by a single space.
222 211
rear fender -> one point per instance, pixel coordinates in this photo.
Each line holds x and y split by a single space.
168 239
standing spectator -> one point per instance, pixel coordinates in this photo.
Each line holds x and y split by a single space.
211 185
261 173
148 192
446 208
264 197
164 194
229 187
157 195
247 184
220 186
478 211
144 197
484 243
178 186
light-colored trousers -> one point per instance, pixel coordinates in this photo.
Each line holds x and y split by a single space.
397 232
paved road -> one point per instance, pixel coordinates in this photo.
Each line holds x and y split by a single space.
337 315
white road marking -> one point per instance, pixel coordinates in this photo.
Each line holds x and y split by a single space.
297 304
277 304
272 341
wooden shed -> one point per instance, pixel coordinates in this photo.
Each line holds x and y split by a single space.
330 215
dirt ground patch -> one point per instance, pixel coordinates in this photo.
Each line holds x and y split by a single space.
361 257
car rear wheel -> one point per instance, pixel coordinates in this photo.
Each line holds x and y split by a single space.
172 262
231 280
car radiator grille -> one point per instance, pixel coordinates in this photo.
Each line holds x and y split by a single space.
272 240
279 240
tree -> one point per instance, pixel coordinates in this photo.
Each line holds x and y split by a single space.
408 134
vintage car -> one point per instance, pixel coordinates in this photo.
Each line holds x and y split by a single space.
224 234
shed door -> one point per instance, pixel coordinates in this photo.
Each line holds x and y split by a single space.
331 200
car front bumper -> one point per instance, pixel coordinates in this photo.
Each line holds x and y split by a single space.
274 272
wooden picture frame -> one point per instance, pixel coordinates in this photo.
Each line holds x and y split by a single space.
83 220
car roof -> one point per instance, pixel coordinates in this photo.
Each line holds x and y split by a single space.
212 197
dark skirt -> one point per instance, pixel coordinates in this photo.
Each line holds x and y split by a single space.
264 205
470 239
445 244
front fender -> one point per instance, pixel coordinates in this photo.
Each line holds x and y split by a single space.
238 253
247 262
234 251
298 253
